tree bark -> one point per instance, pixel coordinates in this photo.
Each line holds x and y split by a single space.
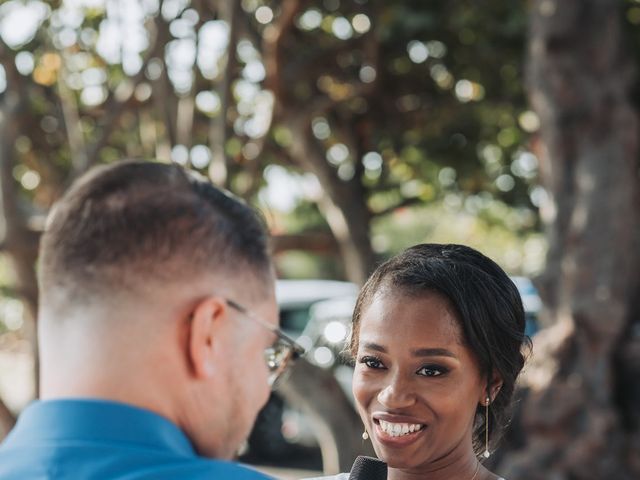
18 240
579 81
315 391
7 420
219 130
319 243
344 203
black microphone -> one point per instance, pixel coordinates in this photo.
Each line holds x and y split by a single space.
368 468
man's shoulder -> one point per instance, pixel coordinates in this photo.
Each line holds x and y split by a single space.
202 468
71 439
64 464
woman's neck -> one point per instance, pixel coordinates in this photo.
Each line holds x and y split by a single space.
467 469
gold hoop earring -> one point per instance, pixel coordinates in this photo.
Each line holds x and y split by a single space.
365 435
486 453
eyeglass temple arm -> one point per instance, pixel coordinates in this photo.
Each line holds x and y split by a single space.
297 348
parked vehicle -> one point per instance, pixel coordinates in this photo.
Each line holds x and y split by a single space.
330 324
274 436
531 302
295 298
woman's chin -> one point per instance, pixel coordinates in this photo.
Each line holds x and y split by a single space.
395 461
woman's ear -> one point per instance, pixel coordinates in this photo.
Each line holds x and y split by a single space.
494 386
491 389
204 329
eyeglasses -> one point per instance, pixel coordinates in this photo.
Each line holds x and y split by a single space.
281 354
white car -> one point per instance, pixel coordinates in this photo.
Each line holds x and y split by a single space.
276 436
295 298
329 327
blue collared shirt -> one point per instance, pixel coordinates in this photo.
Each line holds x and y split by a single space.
95 439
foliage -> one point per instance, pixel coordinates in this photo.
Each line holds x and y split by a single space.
414 111
496 231
431 92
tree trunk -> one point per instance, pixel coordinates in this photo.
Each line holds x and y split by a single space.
319 243
7 420
17 239
220 131
315 391
579 80
343 204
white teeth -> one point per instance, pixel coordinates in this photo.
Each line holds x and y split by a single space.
399 429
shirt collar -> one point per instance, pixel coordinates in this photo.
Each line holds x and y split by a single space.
99 420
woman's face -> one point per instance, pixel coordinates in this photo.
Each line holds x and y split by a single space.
416 385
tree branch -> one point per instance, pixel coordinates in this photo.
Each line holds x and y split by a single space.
219 128
16 236
71 120
114 107
7 420
407 202
321 243
272 47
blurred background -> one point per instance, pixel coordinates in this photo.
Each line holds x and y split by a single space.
359 128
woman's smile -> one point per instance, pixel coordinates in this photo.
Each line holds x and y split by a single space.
415 379
396 430
395 434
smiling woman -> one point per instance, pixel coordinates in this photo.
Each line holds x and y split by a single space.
438 341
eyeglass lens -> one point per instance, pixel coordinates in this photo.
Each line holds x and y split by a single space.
277 357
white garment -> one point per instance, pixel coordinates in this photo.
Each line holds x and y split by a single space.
340 476
344 476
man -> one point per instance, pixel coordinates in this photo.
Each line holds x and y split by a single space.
158 332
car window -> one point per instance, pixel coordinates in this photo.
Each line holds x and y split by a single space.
294 319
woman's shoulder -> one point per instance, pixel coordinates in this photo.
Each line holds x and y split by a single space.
340 476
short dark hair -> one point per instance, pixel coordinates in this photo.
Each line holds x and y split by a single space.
137 220
486 303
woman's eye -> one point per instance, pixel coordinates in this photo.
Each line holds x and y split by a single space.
372 362
432 371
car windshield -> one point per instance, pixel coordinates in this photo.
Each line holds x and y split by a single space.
294 319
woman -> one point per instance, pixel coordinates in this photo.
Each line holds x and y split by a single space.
438 340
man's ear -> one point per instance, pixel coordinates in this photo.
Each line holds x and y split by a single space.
205 327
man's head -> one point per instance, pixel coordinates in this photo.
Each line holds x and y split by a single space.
137 266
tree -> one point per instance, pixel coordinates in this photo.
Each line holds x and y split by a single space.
17 239
389 104
582 417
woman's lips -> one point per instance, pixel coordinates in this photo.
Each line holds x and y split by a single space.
397 433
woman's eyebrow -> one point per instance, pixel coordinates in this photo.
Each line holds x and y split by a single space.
420 352
433 352
375 347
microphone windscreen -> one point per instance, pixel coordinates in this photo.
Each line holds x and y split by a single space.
368 468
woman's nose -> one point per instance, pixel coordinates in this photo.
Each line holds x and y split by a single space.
397 394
